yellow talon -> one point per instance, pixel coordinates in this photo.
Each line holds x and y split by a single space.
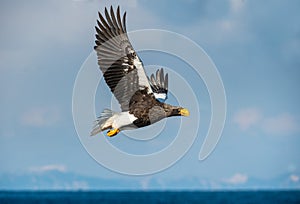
112 132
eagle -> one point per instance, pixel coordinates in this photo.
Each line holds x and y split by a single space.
141 97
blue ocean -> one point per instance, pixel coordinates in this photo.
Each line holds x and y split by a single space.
12 197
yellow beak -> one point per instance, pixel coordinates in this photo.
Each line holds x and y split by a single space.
184 112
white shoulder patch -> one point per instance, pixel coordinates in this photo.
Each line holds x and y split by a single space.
160 96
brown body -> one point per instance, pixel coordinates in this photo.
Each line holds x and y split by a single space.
148 110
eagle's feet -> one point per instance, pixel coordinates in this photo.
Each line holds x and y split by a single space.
112 132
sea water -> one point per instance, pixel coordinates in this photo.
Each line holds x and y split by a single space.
150 197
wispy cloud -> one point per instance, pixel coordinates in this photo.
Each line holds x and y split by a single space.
47 168
236 179
294 178
145 183
230 28
41 25
78 185
247 118
283 123
237 5
41 116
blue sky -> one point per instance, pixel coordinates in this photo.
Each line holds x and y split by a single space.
254 45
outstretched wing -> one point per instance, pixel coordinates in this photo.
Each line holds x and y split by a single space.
159 85
122 69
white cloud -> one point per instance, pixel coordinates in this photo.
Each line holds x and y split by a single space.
238 178
294 178
145 183
226 25
79 185
253 118
237 5
283 123
247 118
228 30
41 116
47 168
43 26
46 26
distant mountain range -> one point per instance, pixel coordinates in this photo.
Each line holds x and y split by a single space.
60 180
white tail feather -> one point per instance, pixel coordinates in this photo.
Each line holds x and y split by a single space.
103 122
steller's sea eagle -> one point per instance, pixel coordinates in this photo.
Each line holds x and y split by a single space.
141 98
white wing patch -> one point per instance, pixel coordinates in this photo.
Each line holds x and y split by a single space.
143 80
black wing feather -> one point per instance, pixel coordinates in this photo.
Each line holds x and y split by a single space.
116 57
159 82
